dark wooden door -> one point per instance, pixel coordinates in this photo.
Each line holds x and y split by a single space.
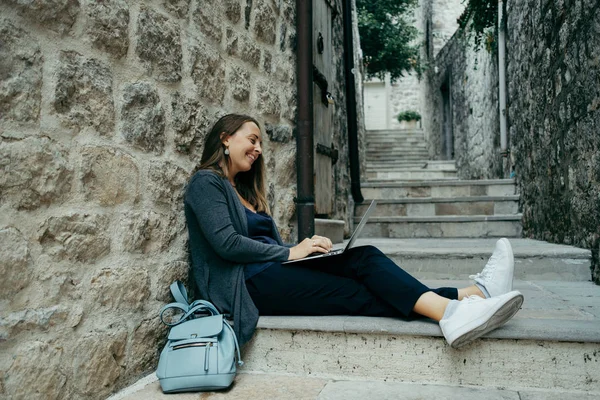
323 72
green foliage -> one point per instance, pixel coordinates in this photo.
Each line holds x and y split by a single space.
479 19
387 38
409 116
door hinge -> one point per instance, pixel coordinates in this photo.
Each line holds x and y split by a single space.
330 152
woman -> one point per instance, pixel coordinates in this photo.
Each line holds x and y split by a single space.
236 254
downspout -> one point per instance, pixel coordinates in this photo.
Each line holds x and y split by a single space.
351 114
305 189
502 82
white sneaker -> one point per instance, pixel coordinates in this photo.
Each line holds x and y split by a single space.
475 316
497 275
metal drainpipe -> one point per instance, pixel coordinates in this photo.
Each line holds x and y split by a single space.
502 80
305 197
351 103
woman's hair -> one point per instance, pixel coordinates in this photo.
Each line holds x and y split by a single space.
249 184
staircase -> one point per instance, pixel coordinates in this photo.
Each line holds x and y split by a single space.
402 155
440 229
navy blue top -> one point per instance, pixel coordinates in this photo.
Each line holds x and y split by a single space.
259 229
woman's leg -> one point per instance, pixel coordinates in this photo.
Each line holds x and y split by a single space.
386 280
293 290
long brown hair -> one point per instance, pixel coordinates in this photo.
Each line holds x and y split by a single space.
249 184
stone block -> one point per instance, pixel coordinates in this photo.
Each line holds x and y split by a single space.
14 262
466 208
109 176
265 23
167 183
39 362
267 62
58 318
233 10
148 339
20 75
35 172
159 45
165 274
121 288
282 37
279 133
208 72
190 122
97 360
178 8
76 237
267 99
148 231
239 79
231 42
249 51
107 25
143 117
83 94
57 15
207 16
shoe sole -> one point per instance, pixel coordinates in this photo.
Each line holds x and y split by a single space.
496 320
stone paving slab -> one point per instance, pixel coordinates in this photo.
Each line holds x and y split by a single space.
245 387
285 387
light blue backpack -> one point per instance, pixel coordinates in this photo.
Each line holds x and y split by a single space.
201 349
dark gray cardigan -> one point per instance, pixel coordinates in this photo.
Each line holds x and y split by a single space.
219 247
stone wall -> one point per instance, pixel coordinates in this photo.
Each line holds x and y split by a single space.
554 111
471 78
103 111
444 16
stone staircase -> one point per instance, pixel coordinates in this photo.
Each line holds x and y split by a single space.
402 155
441 230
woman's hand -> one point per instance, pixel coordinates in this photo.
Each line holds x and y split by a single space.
316 244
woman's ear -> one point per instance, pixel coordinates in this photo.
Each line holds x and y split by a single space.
225 138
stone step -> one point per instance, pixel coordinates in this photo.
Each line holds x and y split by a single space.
427 206
553 342
388 157
441 189
414 164
307 387
400 141
392 148
388 132
457 258
448 226
416 174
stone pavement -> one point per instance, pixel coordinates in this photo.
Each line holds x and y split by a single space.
282 387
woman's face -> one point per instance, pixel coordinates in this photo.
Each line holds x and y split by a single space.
244 148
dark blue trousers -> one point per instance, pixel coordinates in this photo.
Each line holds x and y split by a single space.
362 281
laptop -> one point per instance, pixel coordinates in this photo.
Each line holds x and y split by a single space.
353 238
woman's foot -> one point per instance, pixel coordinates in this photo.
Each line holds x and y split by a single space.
472 317
496 278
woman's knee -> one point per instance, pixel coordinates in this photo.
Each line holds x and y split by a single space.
368 250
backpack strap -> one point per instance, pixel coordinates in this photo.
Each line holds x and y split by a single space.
183 308
237 346
208 305
179 293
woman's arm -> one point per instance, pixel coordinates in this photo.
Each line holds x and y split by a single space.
207 198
